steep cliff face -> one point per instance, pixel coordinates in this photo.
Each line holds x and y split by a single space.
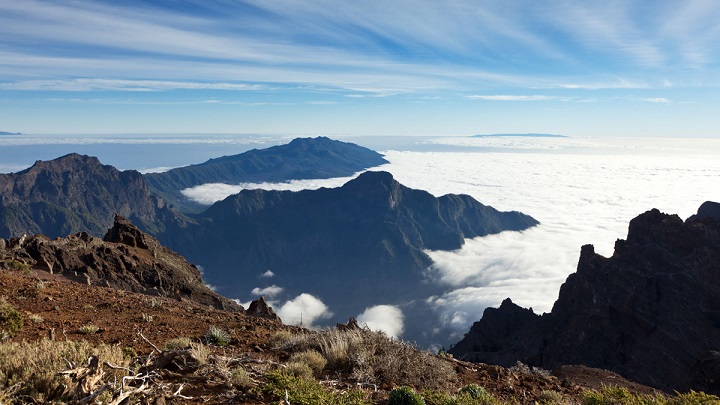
354 246
77 193
651 312
126 259
302 158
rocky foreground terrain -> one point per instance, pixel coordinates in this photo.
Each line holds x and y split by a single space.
651 312
123 333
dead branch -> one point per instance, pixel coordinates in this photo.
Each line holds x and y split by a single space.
149 342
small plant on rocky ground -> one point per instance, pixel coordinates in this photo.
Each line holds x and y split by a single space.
405 396
622 396
147 317
216 336
280 339
88 329
199 352
40 284
35 318
478 394
178 343
11 320
239 378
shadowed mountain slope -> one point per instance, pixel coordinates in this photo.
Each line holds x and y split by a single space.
302 158
651 312
355 245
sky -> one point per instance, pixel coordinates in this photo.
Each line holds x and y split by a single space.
577 68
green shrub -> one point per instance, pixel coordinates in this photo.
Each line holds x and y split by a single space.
129 353
694 398
309 392
216 336
405 396
11 320
312 358
550 398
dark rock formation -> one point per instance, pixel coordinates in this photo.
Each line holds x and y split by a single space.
707 209
259 308
77 193
126 259
354 246
302 158
651 312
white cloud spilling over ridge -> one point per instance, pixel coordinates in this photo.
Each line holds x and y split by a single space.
209 193
583 191
385 318
304 310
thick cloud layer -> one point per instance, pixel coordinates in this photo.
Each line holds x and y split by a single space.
583 191
385 318
209 193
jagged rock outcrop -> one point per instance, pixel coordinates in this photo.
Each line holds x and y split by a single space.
302 158
76 193
126 259
260 308
651 312
354 245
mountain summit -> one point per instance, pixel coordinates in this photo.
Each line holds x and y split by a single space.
302 158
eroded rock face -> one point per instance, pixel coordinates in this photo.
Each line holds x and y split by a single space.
651 312
127 259
260 308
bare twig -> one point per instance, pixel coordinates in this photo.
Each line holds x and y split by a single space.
149 342
92 396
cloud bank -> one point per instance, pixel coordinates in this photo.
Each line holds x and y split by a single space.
209 193
385 318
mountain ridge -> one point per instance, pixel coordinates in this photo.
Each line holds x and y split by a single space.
302 158
658 293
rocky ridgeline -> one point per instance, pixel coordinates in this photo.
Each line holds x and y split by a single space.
126 258
651 312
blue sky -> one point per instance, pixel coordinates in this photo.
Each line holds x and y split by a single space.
579 68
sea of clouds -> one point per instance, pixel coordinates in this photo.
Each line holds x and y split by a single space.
583 191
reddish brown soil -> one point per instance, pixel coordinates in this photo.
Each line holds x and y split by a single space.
65 306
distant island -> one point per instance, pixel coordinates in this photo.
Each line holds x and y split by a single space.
10 133
530 135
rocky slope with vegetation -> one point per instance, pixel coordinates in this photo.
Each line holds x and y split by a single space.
651 312
126 259
77 343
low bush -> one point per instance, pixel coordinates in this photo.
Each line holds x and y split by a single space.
88 329
373 357
405 396
312 358
239 378
622 396
300 370
309 392
11 320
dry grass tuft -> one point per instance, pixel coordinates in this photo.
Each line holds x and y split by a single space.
373 357
30 368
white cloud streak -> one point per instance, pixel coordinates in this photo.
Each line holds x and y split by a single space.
270 291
